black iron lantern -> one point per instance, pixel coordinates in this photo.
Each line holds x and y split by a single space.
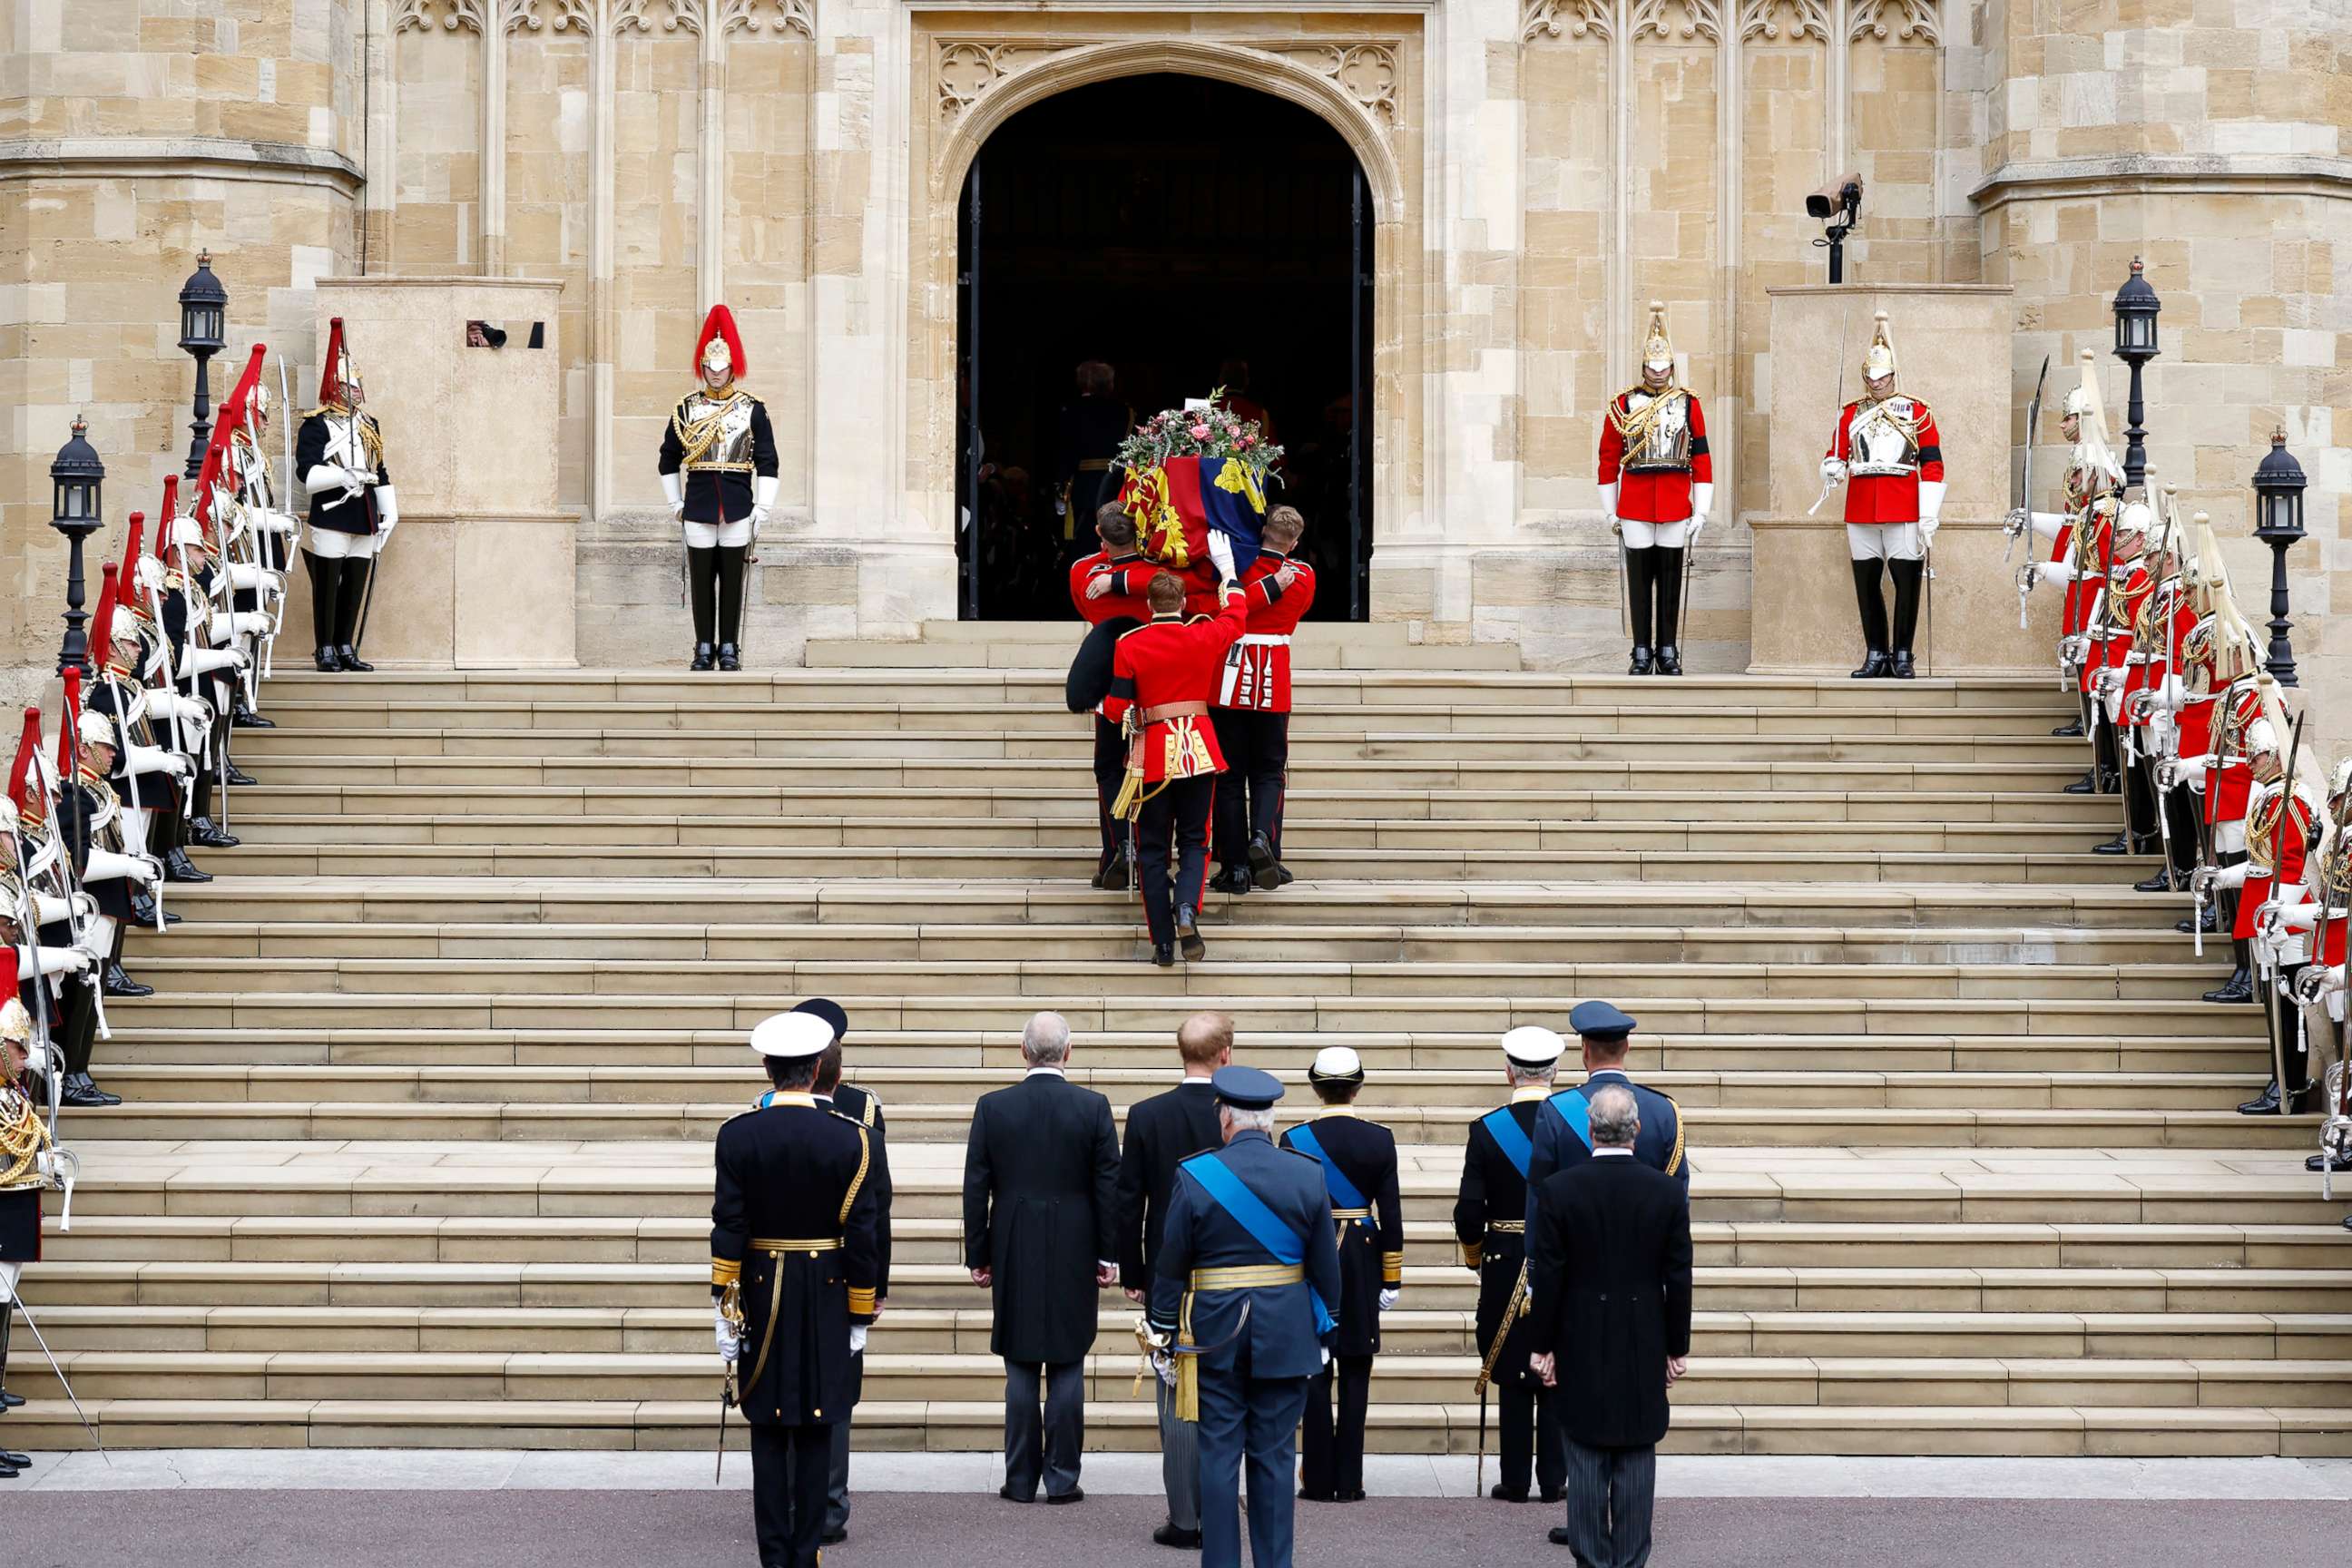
77 511
2136 311
203 319
2278 523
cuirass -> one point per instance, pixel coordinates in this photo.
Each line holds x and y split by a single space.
1885 438
1658 434
716 432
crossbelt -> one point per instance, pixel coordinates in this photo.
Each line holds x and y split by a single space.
1249 1277
796 1244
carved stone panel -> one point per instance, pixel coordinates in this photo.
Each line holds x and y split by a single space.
1566 18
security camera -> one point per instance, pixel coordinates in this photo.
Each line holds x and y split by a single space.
1839 195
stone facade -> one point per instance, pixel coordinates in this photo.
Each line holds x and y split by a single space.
1539 169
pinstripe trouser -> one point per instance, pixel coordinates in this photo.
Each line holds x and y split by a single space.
1609 1494
1180 1461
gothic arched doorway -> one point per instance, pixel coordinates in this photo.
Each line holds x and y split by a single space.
1166 225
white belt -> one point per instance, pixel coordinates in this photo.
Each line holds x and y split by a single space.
1266 640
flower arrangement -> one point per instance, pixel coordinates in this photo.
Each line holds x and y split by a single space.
1210 432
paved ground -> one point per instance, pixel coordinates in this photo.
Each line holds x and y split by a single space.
396 1509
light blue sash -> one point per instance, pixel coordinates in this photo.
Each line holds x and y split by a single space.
1249 1211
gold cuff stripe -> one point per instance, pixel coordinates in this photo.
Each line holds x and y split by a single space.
861 1301
725 1271
1473 1253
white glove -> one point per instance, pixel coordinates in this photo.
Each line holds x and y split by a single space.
327 476
1327 1355
48 907
857 1338
2052 571
2017 521
1389 1296
729 1345
1609 500
243 574
1832 470
1702 507
1931 507
1165 1365
674 487
387 511
32 961
139 760
105 865
763 501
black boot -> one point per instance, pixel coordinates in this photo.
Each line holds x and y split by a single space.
731 602
1230 880
728 657
202 831
324 576
702 593
243 717
1870 598
7 1318
1670 660
1114 878
237 775
2339 1163
350 593
82 1094
2240 987
116 982
1669 576
704 657
2071 730
1909 575
2160 882
178 867
1645 662
1188 933
2115 845
1266 870
1163 954
1641 586
2263 1104
2209 921
142 908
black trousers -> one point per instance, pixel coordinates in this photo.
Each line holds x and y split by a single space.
1332 1443
1110 772
1041 1446
2180 805
1173 823
78 1038
788 1475
1531 1437
1258 763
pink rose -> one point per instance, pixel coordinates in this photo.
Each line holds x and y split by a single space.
1200 432
1248 441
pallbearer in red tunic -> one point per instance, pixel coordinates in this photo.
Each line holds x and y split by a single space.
1657 484
1104 586
1162 676
2283 821
2116 619
2092 472
1887 454
1251 712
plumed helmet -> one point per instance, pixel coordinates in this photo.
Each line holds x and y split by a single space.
1880 359
720 346
1657 349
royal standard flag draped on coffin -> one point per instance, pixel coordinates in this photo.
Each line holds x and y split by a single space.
1177 503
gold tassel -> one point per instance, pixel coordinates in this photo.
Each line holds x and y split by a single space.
1188 1368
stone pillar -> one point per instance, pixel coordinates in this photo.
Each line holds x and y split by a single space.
480 573
1951 341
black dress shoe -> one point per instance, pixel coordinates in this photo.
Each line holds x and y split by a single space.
2239 987
244 717
10 1401
9 1472
2263 1104
1559 1536
1115 874
2347 1222
329 661
1265 869
1356 1494
78 1091
834 1534
172 918
1502 1493
116 982
143 908
9 1461
2339 1164
730 659
1902 669
1286 877
1670 660
1306 1496
1075 1494
1188 933
1182 1540
238 776
1009 1495
703 656
2161 882
2084 785
204 832
1874 666
2115 845
1163 954
1554 1494
179 868
348 657
2071 730
1643 663
1231 879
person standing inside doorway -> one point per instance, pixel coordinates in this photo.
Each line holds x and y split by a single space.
1090 430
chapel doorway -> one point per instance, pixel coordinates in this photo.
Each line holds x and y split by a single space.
1166 225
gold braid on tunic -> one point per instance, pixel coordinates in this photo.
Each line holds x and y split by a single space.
24 1139
697 436
1634 425
363 427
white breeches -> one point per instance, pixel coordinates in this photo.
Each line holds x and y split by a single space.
1883 540
98 938
2230 837
134 825
329 545
711 535
1655 535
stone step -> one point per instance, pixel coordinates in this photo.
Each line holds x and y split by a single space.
684 1240
1406 1333
2293 1431
1386 1096
1291 940
1155 1001
1431 1379
2051 909
1296 982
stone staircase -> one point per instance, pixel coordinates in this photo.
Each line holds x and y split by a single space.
416 1149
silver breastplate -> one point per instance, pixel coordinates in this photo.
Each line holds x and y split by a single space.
1658 441
721 428
1885 439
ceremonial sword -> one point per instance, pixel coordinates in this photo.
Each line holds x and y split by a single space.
1844 321
2278 870
63 1382
2025 477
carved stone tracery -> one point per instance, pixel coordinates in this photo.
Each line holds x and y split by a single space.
1910 21
418 15
1367 72
1566 18
1763 19
1660 18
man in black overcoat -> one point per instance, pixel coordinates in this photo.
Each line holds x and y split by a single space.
1610 1264
1039 1207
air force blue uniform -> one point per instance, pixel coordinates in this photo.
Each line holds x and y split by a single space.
1254 1378
1562 1141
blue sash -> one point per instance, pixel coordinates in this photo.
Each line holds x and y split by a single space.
1510 1139
1577 1111
1249 1211
1344 1193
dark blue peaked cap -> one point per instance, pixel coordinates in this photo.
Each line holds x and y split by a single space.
1246 1089
1601 1021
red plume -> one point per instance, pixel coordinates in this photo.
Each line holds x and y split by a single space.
132 542
101 625
20 775
330 369
205 483
66 725
231 418
171 515
720 323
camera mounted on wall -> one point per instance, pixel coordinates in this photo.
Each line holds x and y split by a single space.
1839 205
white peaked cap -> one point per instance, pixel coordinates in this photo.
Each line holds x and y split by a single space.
1337 1061
791 1034
1533 1046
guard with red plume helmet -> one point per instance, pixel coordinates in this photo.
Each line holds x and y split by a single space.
719 470
89 828
354 508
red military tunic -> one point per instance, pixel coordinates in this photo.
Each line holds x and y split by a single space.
1654 481
1905 445
1131 570
2262 833
2110 651
1256 674
1166 674
2233 779
2171 601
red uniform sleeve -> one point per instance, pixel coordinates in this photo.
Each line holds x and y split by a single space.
1233 620
1702 465
1838 442
1300 595
1613 444
1931 448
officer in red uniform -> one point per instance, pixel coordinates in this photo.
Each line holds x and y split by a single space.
2107 674
1251 712
1889 457
1162 676
1657 484
1107 583
2282 824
